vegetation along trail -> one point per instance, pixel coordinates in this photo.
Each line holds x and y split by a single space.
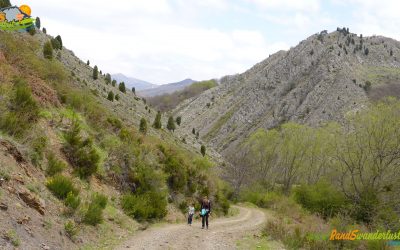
222 234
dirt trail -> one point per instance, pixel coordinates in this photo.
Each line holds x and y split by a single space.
222 234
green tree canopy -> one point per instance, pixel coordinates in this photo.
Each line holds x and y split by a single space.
143 126
157 121
171 124
95 72
121 87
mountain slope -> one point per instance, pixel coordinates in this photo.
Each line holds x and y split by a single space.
73 163
133 82
166 88
322 78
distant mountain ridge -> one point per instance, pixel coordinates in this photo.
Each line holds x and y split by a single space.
321 79
166 88
133 82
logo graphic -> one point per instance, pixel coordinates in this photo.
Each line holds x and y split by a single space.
16 18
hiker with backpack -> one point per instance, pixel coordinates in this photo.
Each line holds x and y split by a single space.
205 211
190 213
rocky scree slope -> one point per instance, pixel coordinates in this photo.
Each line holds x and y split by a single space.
321 79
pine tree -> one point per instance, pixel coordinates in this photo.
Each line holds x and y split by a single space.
178 120
95 72
113 83
58 38
171 124
157 121
134 90
117 97
48 50
108 78
193 131
55 43
122 87
5 3
44 30
37 23
143 126
110 96
88 63
366 51
203 150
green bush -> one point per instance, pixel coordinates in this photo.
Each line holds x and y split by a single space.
54 166
259 197
146 179
177 175
71 229
115 122
143 126
110 96
150 205
38 146
81 153
48 50
61 186
366 207
321 198
94 213
95 74
23 110
72 201
122 87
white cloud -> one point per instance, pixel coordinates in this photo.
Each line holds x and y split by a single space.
289 5
168 40
148 39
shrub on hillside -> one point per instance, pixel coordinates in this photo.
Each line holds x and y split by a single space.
178 120
61 186
23 110
177 174
72 201
110 96
94 213
81 152
321 198
122 87
54 165
95 74
71 229
157 121
143 126
38 145
259 197
48 50
150 205
171 124
202 148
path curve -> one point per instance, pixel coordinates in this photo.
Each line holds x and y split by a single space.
222 234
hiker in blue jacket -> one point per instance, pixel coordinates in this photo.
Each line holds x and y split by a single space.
205 211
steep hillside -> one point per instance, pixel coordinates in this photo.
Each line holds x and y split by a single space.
322 78
77 170
166 88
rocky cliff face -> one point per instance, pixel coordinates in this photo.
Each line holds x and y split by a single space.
321 79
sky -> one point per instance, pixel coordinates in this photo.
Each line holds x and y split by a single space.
163 41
